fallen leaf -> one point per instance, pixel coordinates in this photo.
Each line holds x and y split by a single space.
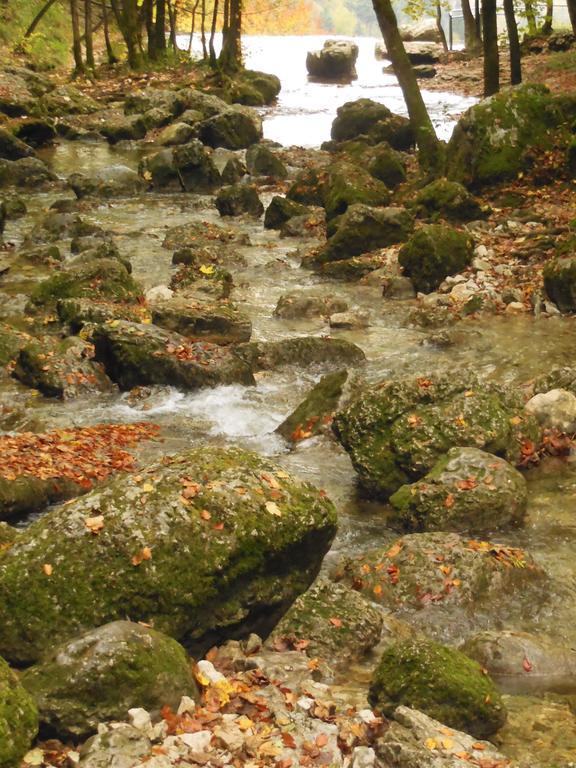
335 622
528 667
144 554
47 568
273 508
94 524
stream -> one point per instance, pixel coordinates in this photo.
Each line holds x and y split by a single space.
510 349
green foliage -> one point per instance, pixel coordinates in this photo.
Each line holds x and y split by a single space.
48 46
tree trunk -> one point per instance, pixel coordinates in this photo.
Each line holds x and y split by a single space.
491 56
112 58
160 30
572 11
440 27
89 42
148 9
431 152
76 44
172 16
203 30
548 18
478 18
213 34
192 26
231 54
127 18
531 17
472 43
512 27
39 16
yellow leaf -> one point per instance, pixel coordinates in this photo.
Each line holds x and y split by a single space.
244 723
273 508
147 487
47 568
207 269
447 743
431 744
94 524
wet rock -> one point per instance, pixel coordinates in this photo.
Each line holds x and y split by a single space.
261 161
449 586
27 493
199 541
217 323
103 278
315 412
560 282
11 342
350 320
63 369
408 741
34 131
77 313
308 225
236 128
177 133
555 409
387 165
362 229
524 663
56 226
27 173
123 128
308 187
234 171
281 210
398 287
367 117
68 100
449 200
188 167
198 236
494 139
337 624
139 102
423 52
439 681
348 184
18 718
557 378
303 350
122 747
355 269
113 181
100 675
434 252
293 306
396 431
13 148
239 199
335 61
157 118
466 490
201 283
15 208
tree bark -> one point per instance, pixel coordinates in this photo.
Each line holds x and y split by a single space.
39 16
430 149
231 54
213 34
491 55
148 9
514 41
531 17
572 11
203 30
548 18
440 27
112 58
192 26
127 18
89 42
172 16
160 26
472 42
76 44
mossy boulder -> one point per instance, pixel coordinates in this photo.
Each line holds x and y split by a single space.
348 184
466 490
433 253
251 88
11 342
239 199
195 283
123 128
362 229
281 210
102 278
188 167
299 305
112 181
135 354
234 171
441 682
34 131
27 173
101 674
316 411
26 493
175 134
68 100
58 225
236 128
139 102
560 282
387 165
308 187
376 121
335 623
396 431
302 351
449 200
18 718
77 313
497 139
216 322
13 148
335 61
261 161
227 543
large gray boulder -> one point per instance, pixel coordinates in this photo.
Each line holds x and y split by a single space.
335 61
366 117
27 173
113 181
227 542
188 167
236 128
434 252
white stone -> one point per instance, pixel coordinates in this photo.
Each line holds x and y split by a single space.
230 737
305 703
481 251
159 293
363 757
198 742
141 720
187 705
366 715
514 308
207 669
463 291
555 409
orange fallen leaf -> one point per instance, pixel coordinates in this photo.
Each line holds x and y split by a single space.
144 554
335 622
47 568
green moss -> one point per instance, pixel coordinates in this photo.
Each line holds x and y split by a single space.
104 278
348 184
441 682
433 253
18 718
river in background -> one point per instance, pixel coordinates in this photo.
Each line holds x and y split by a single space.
305 110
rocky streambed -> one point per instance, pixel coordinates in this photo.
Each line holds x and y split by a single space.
248 369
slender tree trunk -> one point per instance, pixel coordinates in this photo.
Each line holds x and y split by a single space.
514 41
440 27
213 34
112 58
231 54
203 30
472 42
39 16
76 44
148 9
160 31
491 56
531 17
127 18
89 42
572 11
431 154
173 17
548 18
192 25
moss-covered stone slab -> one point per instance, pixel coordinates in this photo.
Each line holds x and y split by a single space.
281 210
336 624
397 430
301 350
236 128
208 545
18 718
449 200
216 322
441 682
316 411
347 184
134 354
188 167
239 199
367 117
433 253
100 675
466 490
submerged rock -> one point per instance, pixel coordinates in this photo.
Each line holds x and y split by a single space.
103 673
303 350
433 253
294 306
439 681
335 61
113 181
18 718
227 543
466 490
239 199
27 173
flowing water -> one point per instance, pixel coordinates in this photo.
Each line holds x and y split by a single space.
505 349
